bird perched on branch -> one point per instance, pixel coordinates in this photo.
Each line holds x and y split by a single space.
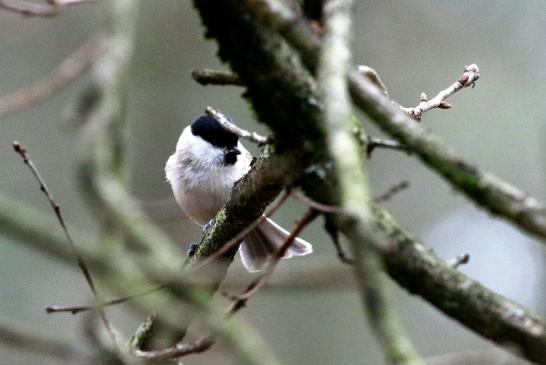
202 171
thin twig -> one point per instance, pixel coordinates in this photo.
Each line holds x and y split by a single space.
177 351
469 77
321 207
66 72
230 126
204 343
29 9
375 142
239 301
271 263
75 309
57 209
207 76
373 76
392 191
459 260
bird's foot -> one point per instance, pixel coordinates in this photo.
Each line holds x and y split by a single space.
209 225
193 249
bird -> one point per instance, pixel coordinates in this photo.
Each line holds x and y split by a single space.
206 164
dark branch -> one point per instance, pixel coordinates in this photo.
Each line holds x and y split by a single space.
207 76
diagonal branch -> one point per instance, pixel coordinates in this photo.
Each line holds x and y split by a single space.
66 72
230 126
469 77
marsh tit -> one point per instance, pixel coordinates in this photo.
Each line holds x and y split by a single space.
202 171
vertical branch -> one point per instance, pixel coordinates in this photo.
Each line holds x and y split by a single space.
356 221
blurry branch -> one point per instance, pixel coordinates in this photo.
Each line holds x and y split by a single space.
207 76
29 340
355 219
79 258
32 9
66 72
484 357
482 187
470 75
374 142
230 126
391 192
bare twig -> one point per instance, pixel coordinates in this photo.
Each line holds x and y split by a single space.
66 72
321 207
393 190
204 343
30 9
469 77
374 142
75 309
373 76
271 263
179 350
459 260
230 126
207 76
57 209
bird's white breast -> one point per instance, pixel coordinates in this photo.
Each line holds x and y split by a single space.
201 185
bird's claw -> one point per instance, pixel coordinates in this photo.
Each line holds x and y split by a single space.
193 249
209 225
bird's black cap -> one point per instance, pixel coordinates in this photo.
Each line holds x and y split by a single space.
212 131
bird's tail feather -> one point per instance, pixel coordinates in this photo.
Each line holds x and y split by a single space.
264 241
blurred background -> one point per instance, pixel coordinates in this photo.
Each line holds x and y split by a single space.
418 46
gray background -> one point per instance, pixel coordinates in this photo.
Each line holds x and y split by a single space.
415 46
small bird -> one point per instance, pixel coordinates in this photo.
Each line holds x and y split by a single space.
202 171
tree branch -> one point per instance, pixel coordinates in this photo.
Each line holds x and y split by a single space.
66 72
207 76
483 188
470 75
79 258
356 220
30 9
280 84
230 126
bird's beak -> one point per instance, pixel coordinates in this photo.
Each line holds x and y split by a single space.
234 151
